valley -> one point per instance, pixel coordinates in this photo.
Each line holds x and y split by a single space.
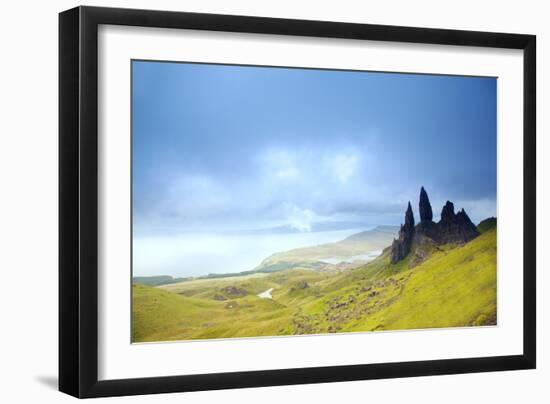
453 286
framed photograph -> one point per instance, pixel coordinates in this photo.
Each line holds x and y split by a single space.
250 201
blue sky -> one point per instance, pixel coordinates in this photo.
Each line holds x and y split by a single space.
233 147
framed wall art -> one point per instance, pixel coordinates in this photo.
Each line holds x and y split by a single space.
250 201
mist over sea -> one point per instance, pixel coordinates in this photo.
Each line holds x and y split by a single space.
197 254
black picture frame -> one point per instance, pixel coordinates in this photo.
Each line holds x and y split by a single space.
78 201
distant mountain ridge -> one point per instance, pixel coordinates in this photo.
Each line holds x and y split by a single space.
314 227
385 229
358 244
157 280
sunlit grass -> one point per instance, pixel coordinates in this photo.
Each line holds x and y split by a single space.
455 287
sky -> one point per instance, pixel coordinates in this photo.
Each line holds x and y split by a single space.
219 148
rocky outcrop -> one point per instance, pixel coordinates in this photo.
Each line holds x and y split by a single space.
422 249
402 246
233 291
455 228
300 285
421 240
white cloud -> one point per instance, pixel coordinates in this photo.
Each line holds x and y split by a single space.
280 164
343 166
298 218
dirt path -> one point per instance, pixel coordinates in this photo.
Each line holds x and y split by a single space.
266 294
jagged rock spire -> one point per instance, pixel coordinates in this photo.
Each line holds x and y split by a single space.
409 217
402 246
448 211
424 206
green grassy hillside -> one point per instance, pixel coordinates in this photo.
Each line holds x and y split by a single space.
454 287
487 224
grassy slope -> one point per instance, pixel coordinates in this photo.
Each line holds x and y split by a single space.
454 287
189 310
159 315
487 224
